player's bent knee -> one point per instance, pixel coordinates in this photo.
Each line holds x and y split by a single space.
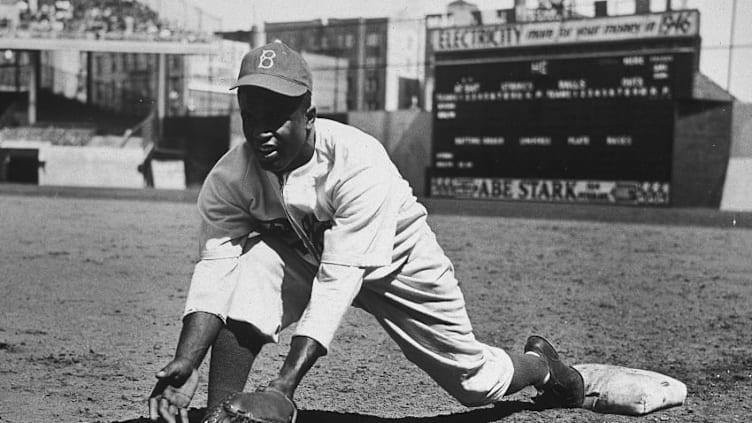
472 392
472 399
474 396
480 385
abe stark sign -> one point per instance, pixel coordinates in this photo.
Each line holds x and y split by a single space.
615 192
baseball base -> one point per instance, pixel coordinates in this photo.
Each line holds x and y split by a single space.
634 392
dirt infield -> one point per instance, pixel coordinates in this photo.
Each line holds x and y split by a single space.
91 291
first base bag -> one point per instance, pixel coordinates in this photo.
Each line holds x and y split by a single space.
634 392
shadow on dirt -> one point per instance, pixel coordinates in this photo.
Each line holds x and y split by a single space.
482 415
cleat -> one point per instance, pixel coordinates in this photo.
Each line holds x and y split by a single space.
565 387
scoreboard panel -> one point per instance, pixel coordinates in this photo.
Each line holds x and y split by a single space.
602 118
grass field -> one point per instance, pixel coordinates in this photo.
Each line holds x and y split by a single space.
92 284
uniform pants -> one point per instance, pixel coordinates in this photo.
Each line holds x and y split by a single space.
420 306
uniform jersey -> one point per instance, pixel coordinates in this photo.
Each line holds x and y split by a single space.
347 206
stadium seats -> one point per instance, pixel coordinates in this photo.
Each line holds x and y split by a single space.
97 19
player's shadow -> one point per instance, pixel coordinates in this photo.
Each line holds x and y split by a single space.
481 415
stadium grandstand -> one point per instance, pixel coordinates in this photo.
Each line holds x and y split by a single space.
96 73
104 19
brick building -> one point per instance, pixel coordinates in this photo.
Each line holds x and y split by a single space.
363 42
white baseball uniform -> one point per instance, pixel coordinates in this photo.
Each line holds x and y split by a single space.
345 227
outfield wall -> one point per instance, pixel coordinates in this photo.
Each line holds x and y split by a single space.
701 153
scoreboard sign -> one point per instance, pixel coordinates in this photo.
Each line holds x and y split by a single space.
668 25
602 118
600 126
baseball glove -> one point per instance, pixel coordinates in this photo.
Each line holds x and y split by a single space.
267 405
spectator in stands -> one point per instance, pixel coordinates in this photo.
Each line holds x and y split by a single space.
109 19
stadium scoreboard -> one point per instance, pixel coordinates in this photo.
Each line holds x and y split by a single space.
596 126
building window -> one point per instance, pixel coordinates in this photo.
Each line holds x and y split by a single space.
372 85
349 41
372 62
373 51
373 40
143 61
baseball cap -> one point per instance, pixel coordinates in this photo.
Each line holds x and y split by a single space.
276 67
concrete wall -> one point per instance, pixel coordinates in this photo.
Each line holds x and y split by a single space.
741 138
91 166
701 153
737 189
406 135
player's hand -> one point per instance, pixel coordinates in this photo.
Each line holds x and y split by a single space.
173 392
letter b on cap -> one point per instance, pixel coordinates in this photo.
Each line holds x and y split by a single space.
266 60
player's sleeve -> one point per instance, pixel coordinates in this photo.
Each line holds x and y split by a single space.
334 289
364 220
224 230
362 236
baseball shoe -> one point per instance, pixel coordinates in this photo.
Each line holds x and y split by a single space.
565 387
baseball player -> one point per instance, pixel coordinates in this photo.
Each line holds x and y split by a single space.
305 218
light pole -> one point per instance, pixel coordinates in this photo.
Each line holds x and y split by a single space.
731 46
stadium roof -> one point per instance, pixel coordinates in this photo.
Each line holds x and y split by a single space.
705 89
110 46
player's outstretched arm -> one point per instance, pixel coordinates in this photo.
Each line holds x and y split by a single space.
199 331
304 352
178 380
